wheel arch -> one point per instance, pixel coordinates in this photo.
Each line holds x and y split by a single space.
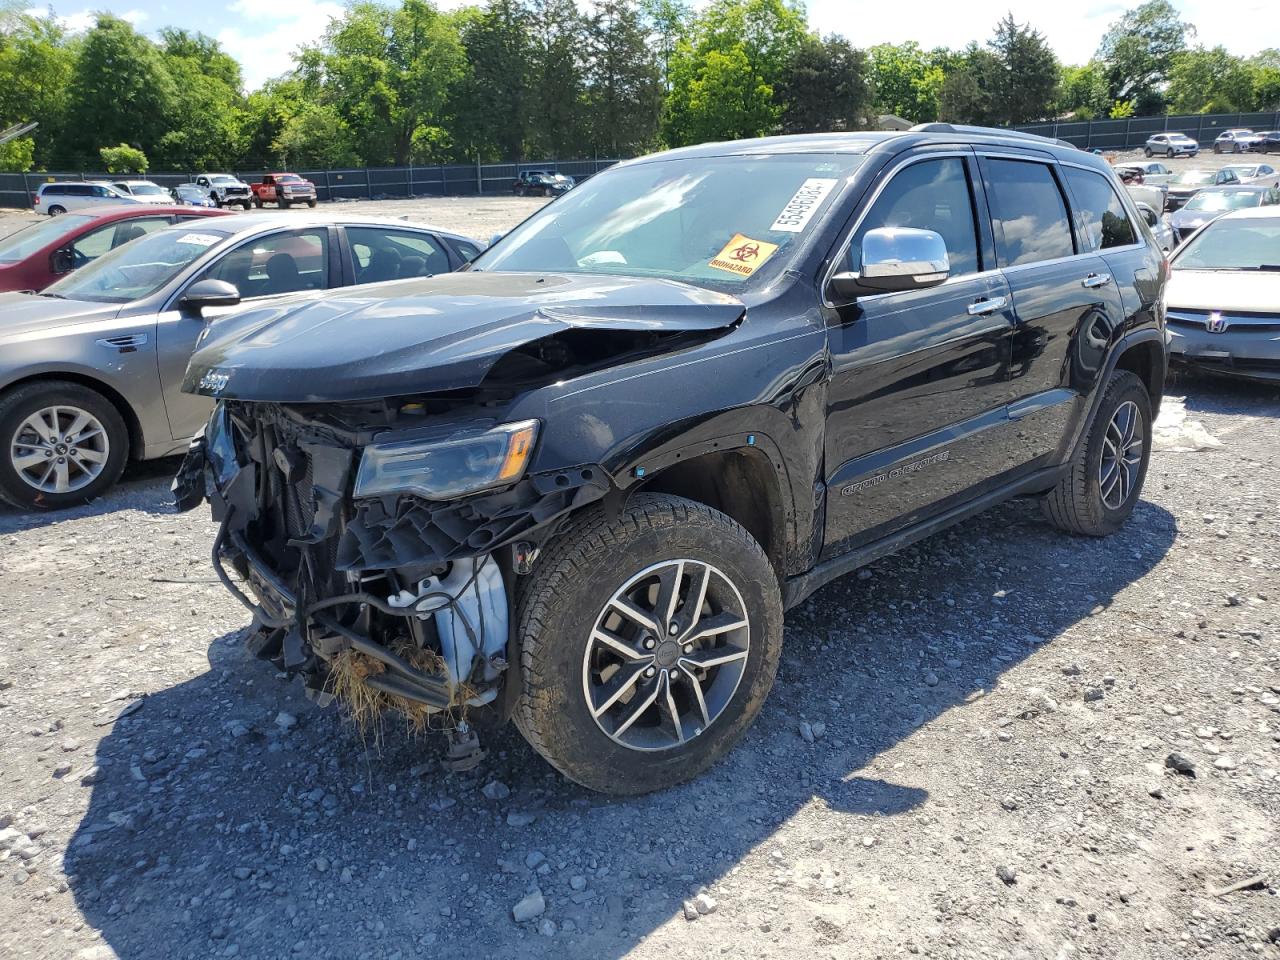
741 483
137 441
1146 359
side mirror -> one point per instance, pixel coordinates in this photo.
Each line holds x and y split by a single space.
896 259
61 260
209 293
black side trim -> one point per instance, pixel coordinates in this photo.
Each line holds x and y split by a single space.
798 589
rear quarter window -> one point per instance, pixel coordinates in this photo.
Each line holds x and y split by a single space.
1029 212
1100 216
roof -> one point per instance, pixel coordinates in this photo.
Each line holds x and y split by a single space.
871 141
129 210
1236 188
273 220
1271 212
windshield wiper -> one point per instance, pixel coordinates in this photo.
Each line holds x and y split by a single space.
55 296
1263 266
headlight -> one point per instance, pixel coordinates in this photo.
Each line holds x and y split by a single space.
449 467
220 448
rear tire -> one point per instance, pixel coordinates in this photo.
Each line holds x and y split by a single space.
1148 153
574 708
311 204
57 211
257 202
284 204
1100 490
93 462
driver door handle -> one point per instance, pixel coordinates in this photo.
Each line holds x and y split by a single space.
988 306
1096 280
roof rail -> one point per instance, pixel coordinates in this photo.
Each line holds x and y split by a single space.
989 131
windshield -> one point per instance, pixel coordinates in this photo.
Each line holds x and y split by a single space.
138 269
706 220
1231 244
147 190
223 179
289 178
1213 200
22 244
1195 178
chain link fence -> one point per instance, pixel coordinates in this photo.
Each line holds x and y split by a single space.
362 183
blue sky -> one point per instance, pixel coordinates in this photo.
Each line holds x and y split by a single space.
262 33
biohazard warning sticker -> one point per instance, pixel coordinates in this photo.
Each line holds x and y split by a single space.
795 216
743 256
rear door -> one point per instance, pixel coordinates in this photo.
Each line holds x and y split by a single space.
1066 303
918 379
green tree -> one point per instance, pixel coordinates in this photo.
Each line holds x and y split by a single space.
825 87
972 88
1026 83
669 22
265 115
123 159
726 99
316 136
1210 81
208 108
120 92
623 80
16 156
492 102
1139 50
36 63
1084 92
907 80
557 35
1266 87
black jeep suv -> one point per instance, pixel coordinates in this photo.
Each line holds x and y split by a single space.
578 484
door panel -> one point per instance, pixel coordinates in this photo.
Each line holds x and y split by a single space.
916 398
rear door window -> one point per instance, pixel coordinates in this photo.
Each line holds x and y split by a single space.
277 264
1100 216
1029 212
97 242
388 254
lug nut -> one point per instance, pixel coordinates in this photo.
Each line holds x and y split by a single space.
673 628
688 648
650 643
650 672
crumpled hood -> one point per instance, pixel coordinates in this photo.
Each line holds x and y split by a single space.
423 336
1185 219
25 314
1228 290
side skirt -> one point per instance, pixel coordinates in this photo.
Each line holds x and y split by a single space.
799 588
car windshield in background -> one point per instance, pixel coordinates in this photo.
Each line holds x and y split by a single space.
20 245
1231 244
716 220
289 179
1211 201
137 269
147 190
1195 178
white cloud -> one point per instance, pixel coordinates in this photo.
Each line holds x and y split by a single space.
1072 30
85 19
265 46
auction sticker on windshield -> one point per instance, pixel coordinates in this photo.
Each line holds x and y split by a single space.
795 216
200 239
742 255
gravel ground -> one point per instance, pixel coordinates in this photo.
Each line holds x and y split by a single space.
965 756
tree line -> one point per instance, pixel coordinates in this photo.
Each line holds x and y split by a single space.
542 79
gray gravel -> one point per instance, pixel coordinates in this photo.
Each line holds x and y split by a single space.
964 756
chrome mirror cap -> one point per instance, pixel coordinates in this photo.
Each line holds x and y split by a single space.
903 258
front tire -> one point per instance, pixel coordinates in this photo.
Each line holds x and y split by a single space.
311 204
1148 153
61 444
57 211
1099 492
257 202
649 642
283 204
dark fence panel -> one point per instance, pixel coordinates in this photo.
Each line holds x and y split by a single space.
363 183
1134 131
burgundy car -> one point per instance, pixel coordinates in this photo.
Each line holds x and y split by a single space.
35 256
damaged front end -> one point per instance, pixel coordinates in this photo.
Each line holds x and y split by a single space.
381 570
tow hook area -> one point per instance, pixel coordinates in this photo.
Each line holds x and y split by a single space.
464 751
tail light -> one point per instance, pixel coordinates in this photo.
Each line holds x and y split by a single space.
35 199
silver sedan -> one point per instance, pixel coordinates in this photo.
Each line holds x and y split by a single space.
91 368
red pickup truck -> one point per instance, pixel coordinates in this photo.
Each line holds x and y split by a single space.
283 189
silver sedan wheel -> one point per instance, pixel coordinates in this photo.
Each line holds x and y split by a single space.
666 655
59 449
1121 455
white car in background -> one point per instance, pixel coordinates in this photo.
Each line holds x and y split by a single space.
1160 228
144 191
58 198
1223 296
1235 141
1260 174
1153 171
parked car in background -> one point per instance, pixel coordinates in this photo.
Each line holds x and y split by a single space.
1160 228
1212 202
225 190
144 191
1223 298
603 461
1239 140
284 190
1262 174
90 370
39 254
1186 184
540 183
189 195
1268 142
1155 196
59 198
1171 145
1153 172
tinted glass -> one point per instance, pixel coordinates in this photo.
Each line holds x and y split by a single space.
1100 215
1030 215
97 242
719 221
273 265
21 244
1231 244
467 251
138 270
382 254
930 195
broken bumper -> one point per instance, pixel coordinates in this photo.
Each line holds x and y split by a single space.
1240 351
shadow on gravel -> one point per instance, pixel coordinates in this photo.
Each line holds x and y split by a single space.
137 490
214 831
1209 393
